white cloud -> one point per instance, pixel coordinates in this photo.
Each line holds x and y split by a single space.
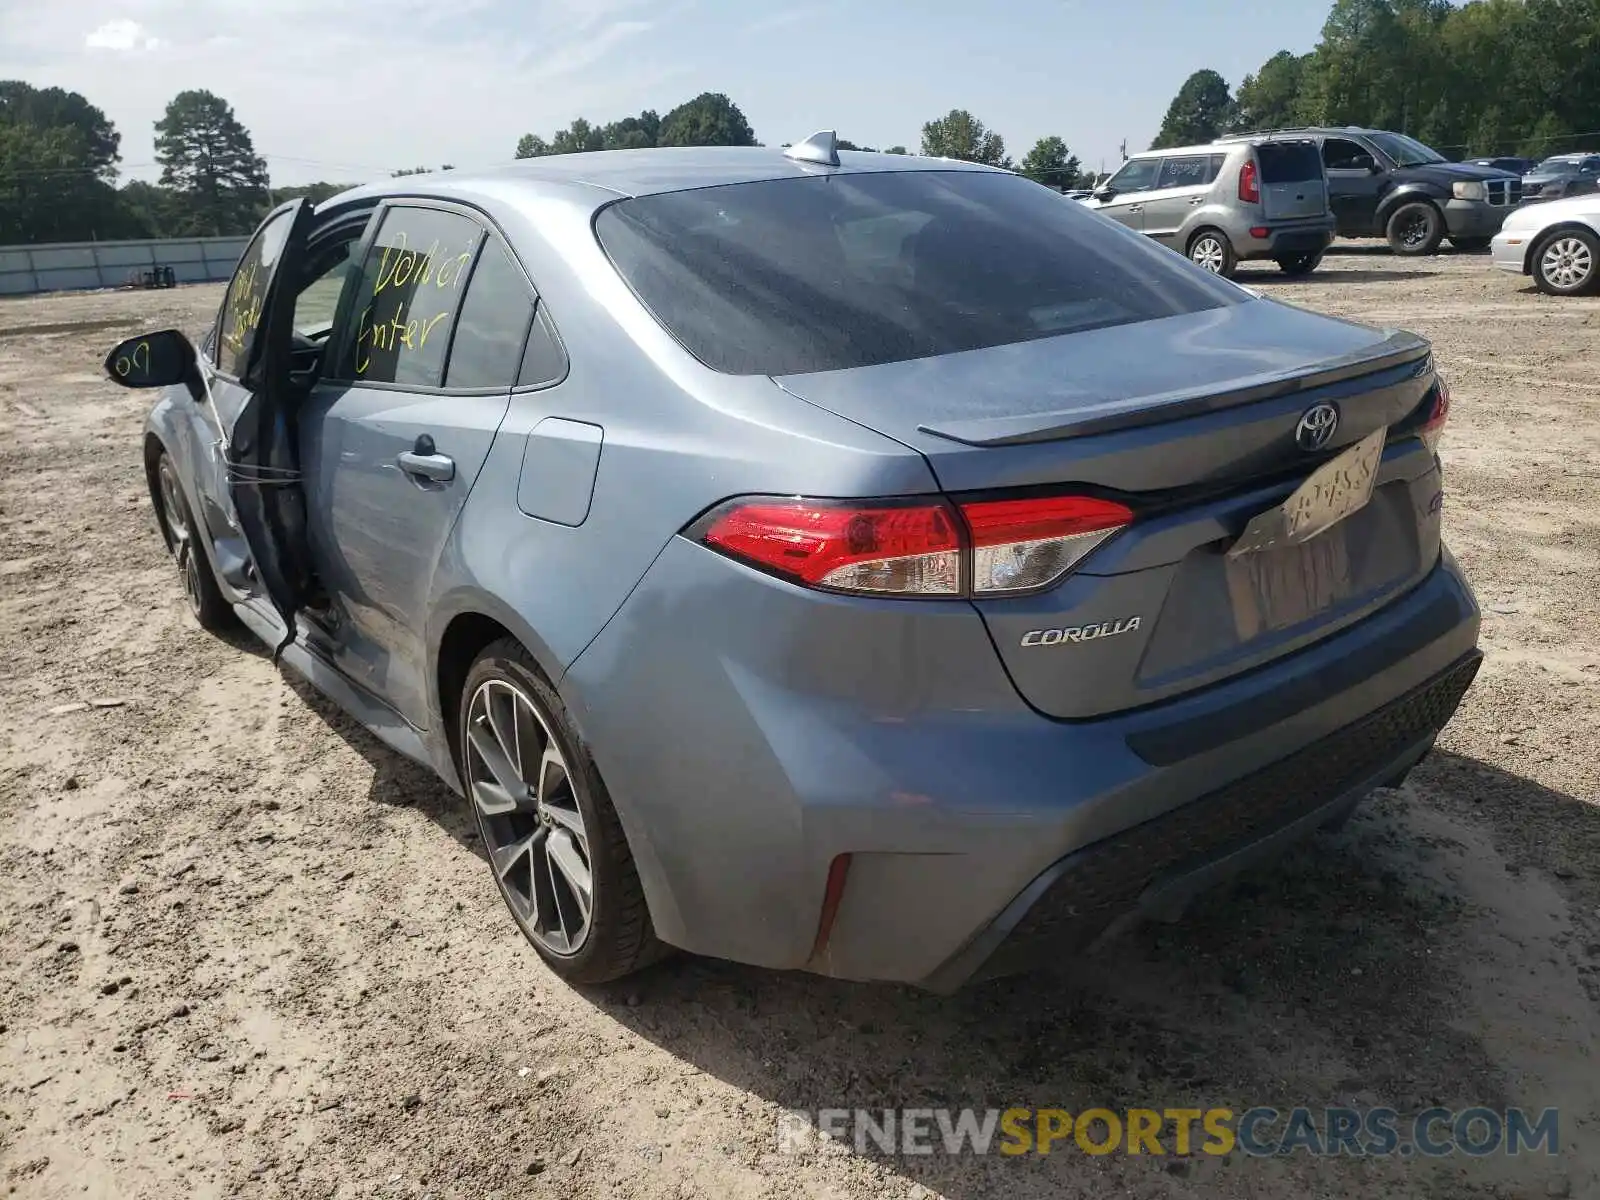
783 19
350 89
121 35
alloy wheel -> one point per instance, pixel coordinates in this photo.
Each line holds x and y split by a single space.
172 507
1207 252
1567 262
532 824
1414 230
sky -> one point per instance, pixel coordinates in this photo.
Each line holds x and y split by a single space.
347 90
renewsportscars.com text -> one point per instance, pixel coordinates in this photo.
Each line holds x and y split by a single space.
1258 1132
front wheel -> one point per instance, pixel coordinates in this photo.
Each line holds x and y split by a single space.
1208 249
553 838
200 589
1415 228
1296 265
1567 263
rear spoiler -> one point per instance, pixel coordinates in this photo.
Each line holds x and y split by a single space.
1399 349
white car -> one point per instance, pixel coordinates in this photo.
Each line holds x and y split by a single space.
1557 242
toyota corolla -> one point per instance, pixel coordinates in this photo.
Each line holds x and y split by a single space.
860 563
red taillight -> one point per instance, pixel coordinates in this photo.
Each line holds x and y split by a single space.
1260 231
1249 185
1433 428
983 548
1019 545
908 549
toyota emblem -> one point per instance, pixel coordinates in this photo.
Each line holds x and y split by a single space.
1316 428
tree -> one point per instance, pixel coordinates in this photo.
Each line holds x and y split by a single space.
710 119
577 138
54 108
532 146
1200 111
1051 163
208 159
959 134
632 133
846 144
1270 98
316 193
896 150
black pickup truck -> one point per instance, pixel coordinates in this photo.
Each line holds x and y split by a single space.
1388 185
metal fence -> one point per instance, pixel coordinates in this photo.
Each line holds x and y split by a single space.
73 266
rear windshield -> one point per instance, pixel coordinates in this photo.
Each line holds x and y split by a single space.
788 276
1289 162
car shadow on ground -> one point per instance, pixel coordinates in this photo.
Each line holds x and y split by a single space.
397 782
1328 275
1326 959
1377 249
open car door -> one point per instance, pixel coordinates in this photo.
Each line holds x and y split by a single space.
262 448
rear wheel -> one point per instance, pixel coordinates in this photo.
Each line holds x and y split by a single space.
1415 228
1299 264
1472 245
200 589
554 842
1567 263
1213 251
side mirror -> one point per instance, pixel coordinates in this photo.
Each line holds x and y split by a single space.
1365 162
1104 194
152 360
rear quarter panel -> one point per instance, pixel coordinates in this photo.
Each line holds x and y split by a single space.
676 439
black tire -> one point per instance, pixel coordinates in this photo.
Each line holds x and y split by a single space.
1415 229
200 589
1210 250
1296 265
619 938
1567 263
1472 245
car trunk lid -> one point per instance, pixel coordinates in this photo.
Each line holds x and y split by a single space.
1293 185
1197 439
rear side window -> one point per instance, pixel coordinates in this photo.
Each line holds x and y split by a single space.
1185 172
1339 154
795 275
410 291
493 324
1289 162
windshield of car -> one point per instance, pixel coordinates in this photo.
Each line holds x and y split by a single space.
1558 162
789 276
1406 151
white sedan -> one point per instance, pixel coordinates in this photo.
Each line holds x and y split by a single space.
1557 242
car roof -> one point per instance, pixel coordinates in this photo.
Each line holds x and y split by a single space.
605 175
1173 151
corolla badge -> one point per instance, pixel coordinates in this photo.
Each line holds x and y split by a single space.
1080 633
1317 427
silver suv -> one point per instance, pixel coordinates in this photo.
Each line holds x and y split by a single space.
1225 204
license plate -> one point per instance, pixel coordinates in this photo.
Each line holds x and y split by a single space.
1286 585
1330 494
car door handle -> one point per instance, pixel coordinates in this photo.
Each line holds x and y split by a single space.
1136 208
436 467
1197 200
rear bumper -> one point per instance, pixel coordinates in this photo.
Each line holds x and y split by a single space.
1286 243
773 730
1153 870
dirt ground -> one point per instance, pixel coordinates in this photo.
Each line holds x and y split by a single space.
245 950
